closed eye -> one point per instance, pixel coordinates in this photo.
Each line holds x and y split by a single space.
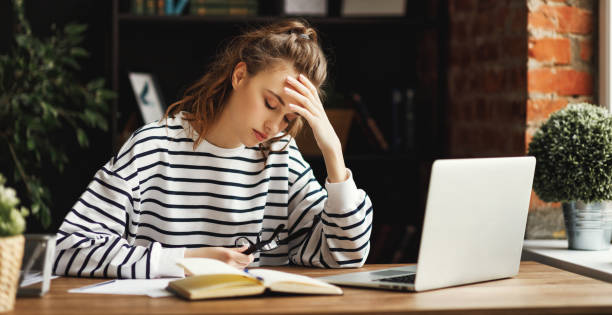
268 105
285 119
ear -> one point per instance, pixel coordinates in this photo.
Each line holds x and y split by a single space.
239 75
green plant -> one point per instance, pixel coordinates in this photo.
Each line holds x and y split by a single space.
40 96
12 220
573 149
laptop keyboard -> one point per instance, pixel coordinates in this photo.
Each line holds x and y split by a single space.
401 279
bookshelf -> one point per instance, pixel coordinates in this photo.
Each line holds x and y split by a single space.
370 55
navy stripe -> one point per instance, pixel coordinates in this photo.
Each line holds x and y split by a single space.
323 261
111 187
57 259
317 249
154 214
202 206
102 212
188 153
338 249
305 211
345 238
91 252
299 190
302 175
210 168
148 273
346 214
144 237
275 217
84 218
104 256
212 181
108 265
149 138
347 262
82 227
91 191
297 161
127 257
348 227
74 255
77 244
204 194
185 233
143 129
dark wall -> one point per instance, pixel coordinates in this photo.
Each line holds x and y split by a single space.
67 186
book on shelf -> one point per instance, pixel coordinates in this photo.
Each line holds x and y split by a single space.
211 278
223 7
150 7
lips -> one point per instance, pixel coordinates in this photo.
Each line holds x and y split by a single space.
260 136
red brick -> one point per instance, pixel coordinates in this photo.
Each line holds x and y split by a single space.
557 50
586 49
536 203
541 109
564 19
562 81
539 20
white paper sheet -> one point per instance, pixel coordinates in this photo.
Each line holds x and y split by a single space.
32 278
151 287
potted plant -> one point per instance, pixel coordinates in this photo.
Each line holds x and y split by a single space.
12 225
41 100
573 149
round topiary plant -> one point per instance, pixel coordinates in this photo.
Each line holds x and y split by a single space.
573 149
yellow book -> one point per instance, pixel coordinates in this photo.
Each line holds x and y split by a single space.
211 278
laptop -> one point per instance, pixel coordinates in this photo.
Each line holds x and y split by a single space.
475 220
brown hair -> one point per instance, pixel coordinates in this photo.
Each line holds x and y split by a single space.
292 40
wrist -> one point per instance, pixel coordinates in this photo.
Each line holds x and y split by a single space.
334 163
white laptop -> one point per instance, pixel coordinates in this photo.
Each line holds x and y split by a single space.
473 231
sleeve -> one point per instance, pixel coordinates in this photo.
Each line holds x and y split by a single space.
91 242
338 219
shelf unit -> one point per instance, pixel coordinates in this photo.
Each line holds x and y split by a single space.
370 55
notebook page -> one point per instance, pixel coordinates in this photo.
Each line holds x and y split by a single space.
271 276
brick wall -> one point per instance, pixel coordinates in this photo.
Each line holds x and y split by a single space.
561 66
487 85
511 64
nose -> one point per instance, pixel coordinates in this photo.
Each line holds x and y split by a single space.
273 125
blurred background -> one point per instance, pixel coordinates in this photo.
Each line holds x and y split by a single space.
409 82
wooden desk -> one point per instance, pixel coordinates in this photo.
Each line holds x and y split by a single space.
538 289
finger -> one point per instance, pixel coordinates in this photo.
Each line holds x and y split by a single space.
302 112
308 84
301 99
242 259
300 87
241 248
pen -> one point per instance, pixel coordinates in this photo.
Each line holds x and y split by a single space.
257 277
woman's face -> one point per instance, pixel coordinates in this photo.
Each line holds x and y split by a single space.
257 109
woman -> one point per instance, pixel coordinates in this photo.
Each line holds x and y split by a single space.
221 167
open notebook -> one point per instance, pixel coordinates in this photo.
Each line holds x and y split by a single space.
211 278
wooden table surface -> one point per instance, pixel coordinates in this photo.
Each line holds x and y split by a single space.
538 289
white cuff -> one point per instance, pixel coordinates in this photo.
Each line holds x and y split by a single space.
342 195
167 262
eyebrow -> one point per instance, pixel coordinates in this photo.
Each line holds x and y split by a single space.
277 96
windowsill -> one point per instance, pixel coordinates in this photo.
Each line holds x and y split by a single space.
594 264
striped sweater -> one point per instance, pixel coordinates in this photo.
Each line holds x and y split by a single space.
159 196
